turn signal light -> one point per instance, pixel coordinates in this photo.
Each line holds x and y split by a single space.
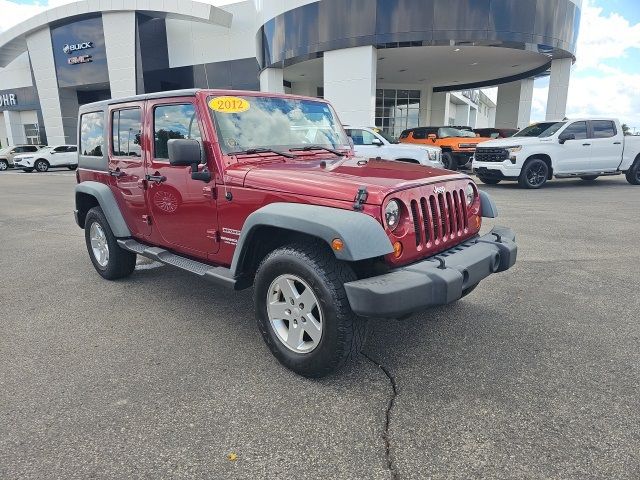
397 249
337 244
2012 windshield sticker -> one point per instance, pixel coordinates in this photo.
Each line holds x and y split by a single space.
229 104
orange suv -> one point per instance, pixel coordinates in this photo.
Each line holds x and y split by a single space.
458 146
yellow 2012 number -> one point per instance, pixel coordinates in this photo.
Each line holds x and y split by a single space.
229 104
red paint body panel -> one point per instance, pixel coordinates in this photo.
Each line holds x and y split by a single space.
196 219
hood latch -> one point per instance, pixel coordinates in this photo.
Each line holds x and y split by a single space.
361 197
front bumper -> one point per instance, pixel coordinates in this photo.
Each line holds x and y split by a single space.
438 280
499 170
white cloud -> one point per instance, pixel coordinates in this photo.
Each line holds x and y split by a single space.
604 37
14 13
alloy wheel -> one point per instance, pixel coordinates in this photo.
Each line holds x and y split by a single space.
99 245
537 174
295 314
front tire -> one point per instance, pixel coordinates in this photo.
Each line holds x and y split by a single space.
490 180
109 260
41 165
449 161
4 165
302 309
633 174
534 174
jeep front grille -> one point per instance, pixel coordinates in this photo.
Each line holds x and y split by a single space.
439 217
486 154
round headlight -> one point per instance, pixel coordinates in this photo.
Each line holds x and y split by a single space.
470 194
392 214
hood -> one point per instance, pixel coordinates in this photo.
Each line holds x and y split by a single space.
413 146
512 141
340 179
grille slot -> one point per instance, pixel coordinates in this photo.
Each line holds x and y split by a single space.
486 154
416 221
439 218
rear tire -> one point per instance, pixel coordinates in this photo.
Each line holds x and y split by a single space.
589 178
534 174
41 165
109 260
449 161
72 167
489 180
302 309
633 174
4 165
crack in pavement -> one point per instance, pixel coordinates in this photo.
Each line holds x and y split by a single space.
385 435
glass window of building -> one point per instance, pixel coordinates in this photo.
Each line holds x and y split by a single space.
92 134
397 110
32 133
174 121
125 133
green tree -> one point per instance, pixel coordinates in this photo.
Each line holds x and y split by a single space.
625 129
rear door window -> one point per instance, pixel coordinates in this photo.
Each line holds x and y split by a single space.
92 134
603 129
126 126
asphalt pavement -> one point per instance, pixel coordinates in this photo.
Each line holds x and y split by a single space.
534 375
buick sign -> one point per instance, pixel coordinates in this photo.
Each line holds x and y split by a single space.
68 49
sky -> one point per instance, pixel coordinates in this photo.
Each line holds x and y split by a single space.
605 79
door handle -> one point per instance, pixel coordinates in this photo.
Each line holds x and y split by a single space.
155 178
116 173
617 143
586 144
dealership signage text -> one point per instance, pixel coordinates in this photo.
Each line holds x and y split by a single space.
8 100
68 49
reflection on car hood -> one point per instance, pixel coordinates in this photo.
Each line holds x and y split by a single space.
512 141
340 179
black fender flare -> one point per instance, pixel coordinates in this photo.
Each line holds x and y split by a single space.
363 236
105 198
487 205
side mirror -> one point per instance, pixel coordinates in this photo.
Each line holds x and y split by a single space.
377 141
184 153
566 136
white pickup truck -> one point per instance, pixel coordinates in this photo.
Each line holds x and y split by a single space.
372 142
586 148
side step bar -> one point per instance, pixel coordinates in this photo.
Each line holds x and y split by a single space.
218 275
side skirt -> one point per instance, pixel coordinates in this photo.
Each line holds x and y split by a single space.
218 275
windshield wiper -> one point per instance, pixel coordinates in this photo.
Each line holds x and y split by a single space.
308 148
253 151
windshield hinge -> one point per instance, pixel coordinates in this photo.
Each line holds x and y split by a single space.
361 197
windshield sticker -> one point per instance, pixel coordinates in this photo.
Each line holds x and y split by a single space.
229 104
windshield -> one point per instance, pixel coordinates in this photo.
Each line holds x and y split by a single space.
245 123
446 132
544 129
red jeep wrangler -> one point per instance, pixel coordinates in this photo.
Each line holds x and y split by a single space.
248 188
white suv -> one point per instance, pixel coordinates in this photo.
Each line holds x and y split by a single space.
372 142
42 160
7 154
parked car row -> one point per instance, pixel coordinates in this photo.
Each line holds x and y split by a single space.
38 157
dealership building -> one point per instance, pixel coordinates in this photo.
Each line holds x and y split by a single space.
393 63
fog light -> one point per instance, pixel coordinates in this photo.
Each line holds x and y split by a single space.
337 244
397 249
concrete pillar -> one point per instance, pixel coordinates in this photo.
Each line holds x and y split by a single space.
46 81
14 128
462 114
119 37
425 106
350 84
271 80
439 109
513 109
306 89
558 88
